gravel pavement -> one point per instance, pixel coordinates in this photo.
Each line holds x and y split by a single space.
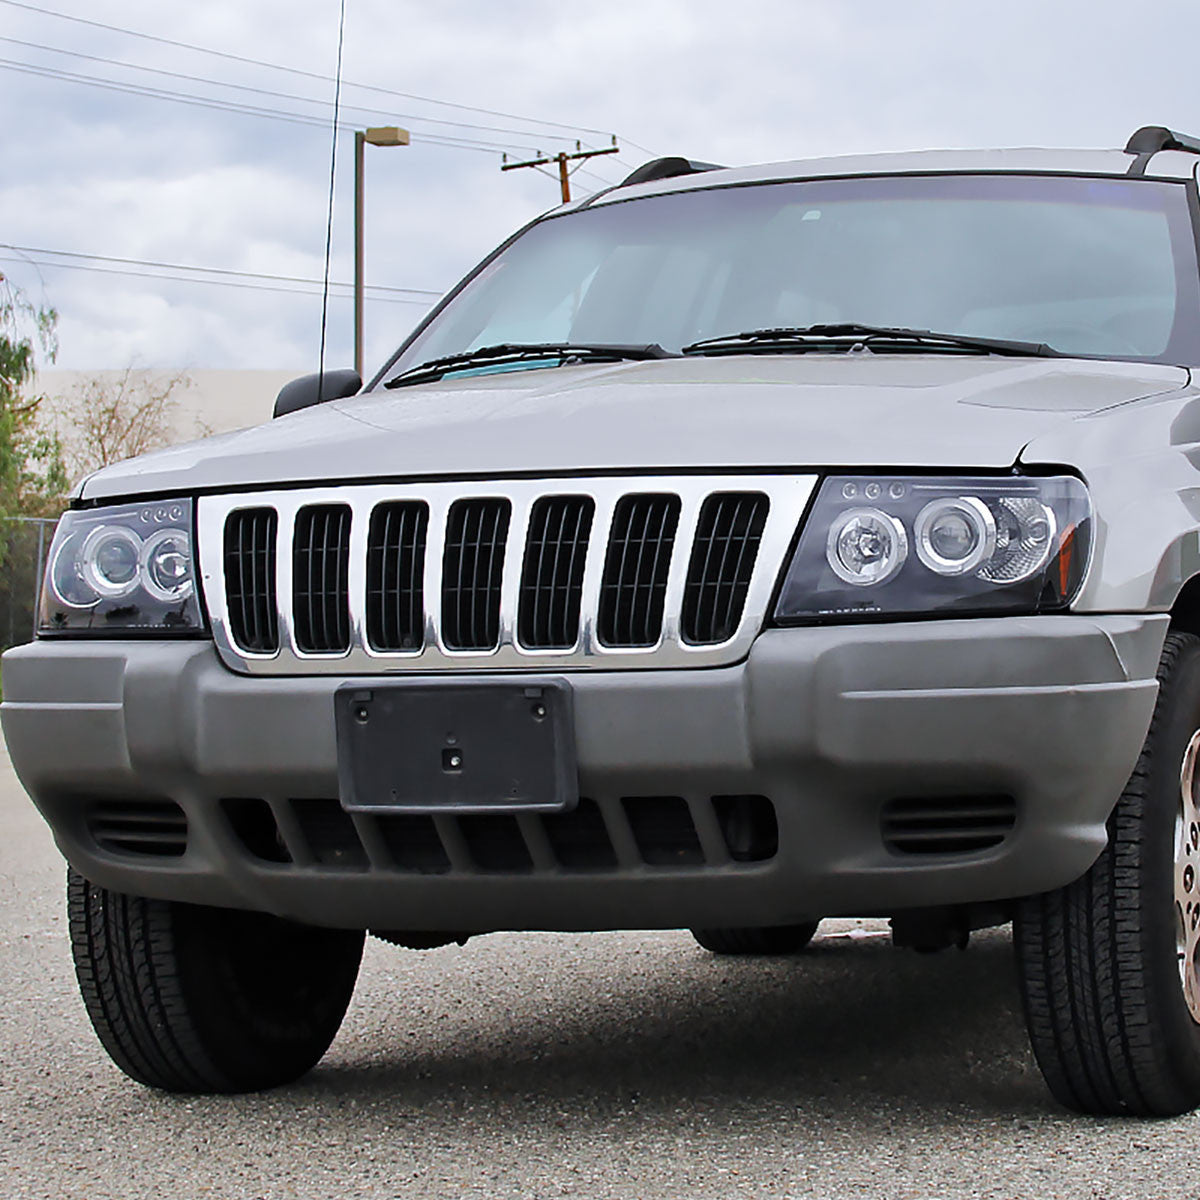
601 1065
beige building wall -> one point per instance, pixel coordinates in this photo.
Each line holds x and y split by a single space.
216 400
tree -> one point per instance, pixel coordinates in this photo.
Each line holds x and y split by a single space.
107 419
33 476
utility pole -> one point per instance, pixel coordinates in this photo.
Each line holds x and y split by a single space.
562 158
381 135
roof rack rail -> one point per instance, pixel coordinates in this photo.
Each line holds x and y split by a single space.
667 168
1150 139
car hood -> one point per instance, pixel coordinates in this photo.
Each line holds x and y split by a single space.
844 410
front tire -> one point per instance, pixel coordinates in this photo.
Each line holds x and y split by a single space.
766 940
194 999
1108 964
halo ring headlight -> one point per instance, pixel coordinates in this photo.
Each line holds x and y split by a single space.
110 561
955 535
866 546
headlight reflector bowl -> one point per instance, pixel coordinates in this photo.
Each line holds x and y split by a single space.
166 565
866 547
955 535
109 561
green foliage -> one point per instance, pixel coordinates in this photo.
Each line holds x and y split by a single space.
33 476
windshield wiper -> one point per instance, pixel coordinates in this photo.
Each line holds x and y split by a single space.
801 337
515 352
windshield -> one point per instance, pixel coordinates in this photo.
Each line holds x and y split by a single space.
1090 266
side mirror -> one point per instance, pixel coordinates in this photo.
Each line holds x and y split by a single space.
316 389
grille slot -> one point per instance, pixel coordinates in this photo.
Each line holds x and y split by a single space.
413 842
663 829
249 561
552 575
254 824
395 570
722 563
634 586
947 825
329 831
321 579
579 838
476 532
495 843
155 828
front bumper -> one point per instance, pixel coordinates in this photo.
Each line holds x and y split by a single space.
831 725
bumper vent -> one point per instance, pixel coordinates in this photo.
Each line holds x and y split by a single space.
618 833
321 579
634 588
395 575
156 828
948 825
476 534
552 577
250 535
723 556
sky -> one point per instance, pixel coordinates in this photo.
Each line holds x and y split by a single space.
122 147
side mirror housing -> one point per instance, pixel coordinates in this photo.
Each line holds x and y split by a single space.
316 389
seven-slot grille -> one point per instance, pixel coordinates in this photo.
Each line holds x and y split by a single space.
605 572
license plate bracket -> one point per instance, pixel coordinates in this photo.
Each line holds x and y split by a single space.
456 747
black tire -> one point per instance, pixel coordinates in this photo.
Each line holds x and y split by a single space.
192 999
771 939
1100 977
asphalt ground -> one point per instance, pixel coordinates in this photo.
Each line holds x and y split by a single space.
549 1065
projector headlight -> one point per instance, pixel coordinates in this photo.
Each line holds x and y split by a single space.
122 571
879 546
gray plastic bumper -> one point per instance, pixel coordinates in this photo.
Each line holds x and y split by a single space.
831 724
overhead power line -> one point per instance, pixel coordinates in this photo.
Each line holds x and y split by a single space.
310 120
224 271
327 79
374 113
228 283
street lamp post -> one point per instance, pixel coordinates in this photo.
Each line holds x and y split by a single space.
380 135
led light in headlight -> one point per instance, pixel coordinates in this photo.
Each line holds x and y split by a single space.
866 546
954 535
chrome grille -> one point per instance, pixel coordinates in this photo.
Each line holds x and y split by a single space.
530 574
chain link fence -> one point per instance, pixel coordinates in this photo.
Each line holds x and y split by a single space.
27 542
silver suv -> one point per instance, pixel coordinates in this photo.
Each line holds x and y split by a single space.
729 550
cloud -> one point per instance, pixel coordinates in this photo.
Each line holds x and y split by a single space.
100 172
